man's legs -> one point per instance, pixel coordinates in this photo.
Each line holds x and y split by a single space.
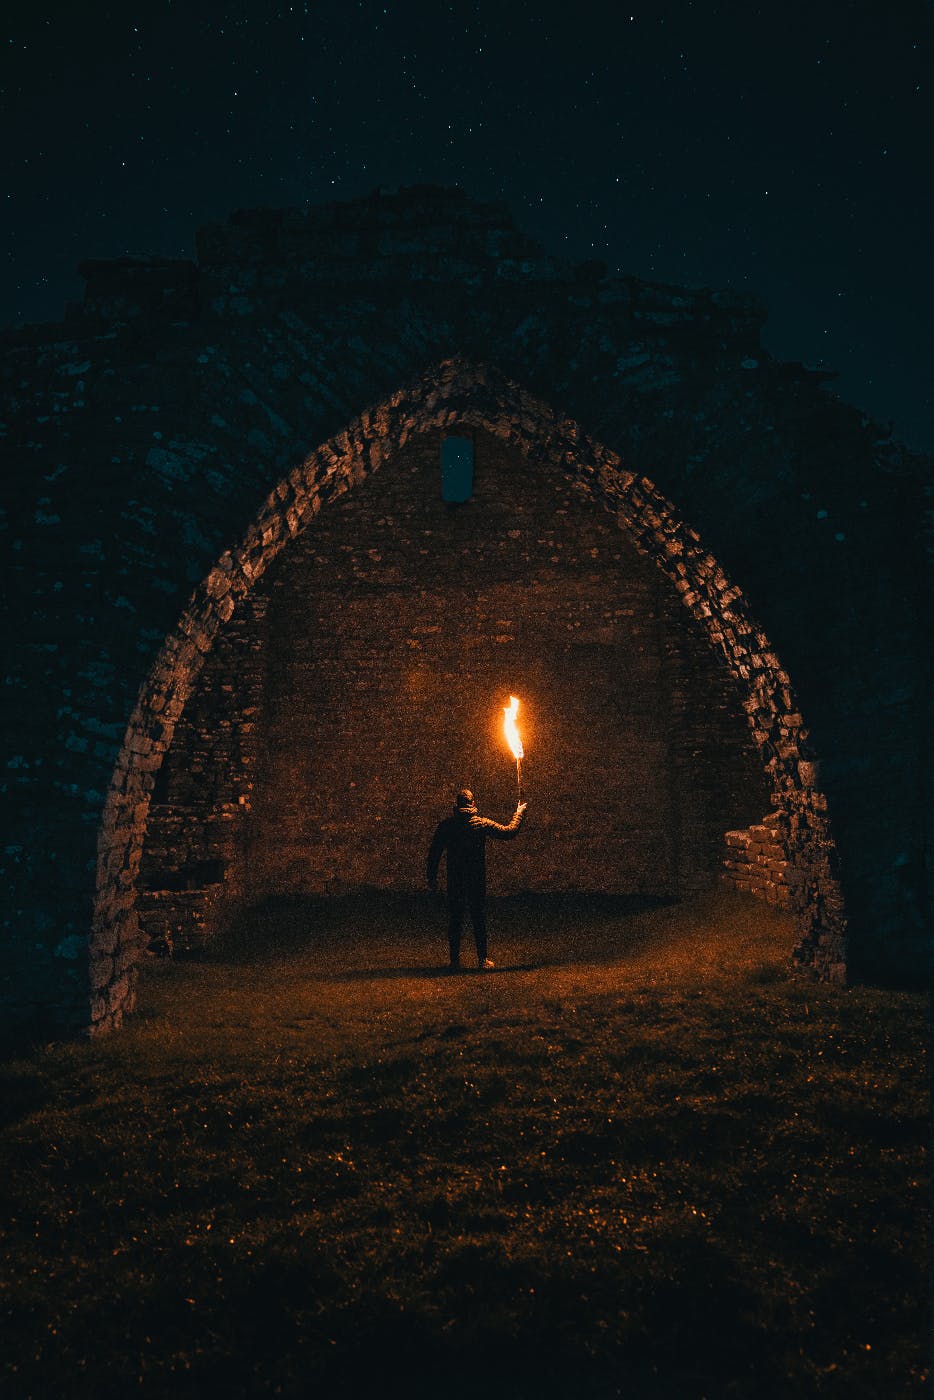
478 919
456 902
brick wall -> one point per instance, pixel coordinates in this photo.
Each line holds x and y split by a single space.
367 684
202 793
756 862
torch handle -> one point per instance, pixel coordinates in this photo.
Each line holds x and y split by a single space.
519 779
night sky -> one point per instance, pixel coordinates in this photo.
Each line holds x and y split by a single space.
784 149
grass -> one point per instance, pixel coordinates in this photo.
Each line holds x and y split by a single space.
638 1159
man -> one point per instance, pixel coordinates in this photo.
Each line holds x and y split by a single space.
463 835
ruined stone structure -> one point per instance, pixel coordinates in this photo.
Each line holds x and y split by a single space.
362 683
228 556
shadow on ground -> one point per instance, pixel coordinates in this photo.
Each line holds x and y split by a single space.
389 934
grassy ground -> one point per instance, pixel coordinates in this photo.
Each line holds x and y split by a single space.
638 1159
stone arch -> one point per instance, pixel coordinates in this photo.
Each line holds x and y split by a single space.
478 397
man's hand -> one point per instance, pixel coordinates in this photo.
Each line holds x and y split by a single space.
521 808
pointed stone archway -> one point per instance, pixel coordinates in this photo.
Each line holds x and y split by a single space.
459 395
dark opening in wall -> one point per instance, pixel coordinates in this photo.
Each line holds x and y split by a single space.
456 470
160 789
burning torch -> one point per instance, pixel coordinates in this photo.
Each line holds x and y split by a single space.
512 739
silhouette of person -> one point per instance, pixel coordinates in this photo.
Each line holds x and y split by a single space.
463 836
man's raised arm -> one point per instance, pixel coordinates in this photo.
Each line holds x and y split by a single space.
505 833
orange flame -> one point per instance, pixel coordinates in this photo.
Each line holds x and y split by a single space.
510 730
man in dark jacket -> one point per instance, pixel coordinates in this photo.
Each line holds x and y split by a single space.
463 835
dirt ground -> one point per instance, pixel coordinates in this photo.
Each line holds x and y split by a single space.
376 955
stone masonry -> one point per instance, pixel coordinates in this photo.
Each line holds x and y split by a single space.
366 692
756 862
472 399
180 428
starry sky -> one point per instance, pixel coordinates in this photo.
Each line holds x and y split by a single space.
782 148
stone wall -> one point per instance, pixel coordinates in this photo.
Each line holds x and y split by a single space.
141 436
369 686
756 862
478 399
203 792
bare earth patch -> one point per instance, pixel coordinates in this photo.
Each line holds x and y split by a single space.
638 1158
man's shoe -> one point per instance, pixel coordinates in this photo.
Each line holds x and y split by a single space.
486 965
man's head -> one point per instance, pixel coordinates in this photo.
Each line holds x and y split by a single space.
464 799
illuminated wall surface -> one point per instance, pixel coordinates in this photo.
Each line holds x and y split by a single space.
165 542
369 686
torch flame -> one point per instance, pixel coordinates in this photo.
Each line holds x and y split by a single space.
510 730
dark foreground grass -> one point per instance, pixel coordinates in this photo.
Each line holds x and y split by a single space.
638 1159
